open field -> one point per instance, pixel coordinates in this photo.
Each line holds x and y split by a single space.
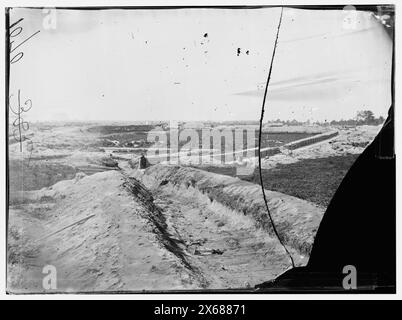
314 180
122 136
312 173
106 225
61 150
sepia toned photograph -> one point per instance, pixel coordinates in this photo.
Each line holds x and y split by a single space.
245 149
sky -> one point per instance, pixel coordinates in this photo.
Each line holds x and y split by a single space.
199 64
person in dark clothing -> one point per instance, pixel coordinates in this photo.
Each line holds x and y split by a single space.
143 162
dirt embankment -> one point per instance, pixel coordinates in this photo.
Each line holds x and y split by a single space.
348 141
98 236
223 247
168 228
296 220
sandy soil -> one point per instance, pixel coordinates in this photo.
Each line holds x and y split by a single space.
96 236
129 230
223 247
108 232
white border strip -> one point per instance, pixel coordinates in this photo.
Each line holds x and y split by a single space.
77 3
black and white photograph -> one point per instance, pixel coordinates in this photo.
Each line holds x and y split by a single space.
200 149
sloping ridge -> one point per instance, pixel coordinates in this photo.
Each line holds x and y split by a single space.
296 220
102 233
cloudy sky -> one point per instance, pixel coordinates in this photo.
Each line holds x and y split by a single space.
200 64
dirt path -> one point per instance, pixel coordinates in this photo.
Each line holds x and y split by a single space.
223 246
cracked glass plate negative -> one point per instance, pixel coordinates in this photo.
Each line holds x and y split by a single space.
184 148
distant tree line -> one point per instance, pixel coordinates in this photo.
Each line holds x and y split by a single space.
364 117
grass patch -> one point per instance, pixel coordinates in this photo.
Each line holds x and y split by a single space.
315 180
37 174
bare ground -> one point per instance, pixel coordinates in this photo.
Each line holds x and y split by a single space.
100 235
108 232
225 247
